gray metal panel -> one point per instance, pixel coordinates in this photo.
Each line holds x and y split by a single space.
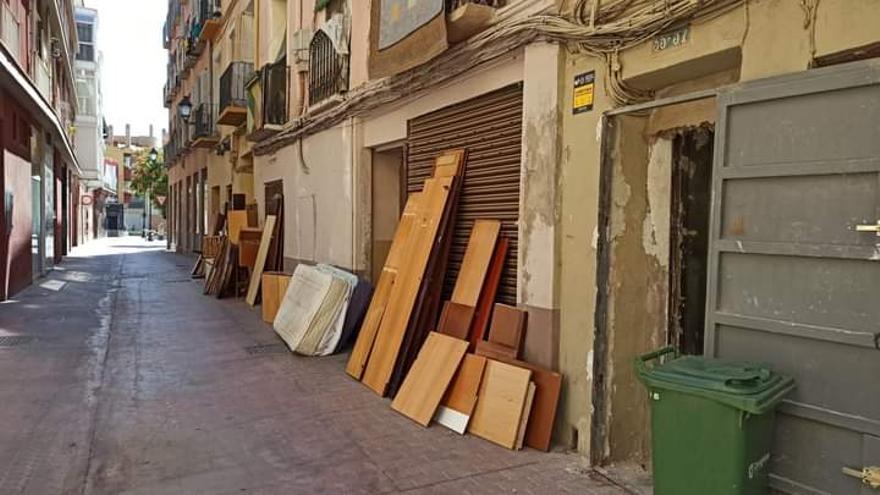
791 283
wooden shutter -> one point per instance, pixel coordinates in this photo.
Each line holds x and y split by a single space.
490 128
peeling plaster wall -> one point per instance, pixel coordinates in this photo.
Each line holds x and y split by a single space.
637 312
538 263
578 234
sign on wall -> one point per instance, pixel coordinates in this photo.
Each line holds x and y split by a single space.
584 92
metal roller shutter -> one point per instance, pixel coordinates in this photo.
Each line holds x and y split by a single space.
490 128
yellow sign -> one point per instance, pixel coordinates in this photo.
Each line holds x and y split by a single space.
584 89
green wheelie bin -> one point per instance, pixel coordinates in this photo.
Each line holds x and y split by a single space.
711 422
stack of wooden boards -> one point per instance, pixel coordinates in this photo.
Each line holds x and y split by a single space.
452 367
407 298
490 393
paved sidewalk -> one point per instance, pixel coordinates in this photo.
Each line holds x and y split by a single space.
136 383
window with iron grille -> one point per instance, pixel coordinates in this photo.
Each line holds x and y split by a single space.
327 69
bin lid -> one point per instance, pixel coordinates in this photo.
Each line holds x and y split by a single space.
749 386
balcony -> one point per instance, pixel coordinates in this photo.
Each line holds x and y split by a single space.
211 16
233 93
268 102
204 130
465 18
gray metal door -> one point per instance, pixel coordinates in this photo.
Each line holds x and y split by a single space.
792 280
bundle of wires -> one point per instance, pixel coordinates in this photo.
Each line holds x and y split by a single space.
602 29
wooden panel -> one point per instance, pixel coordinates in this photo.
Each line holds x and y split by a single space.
495 351
462 393
508 326
274 287
548 385
364 344
456 320
429 377
406 287
236 220
487 296
448 164
247 253
260 264
476 262
524 416
500 403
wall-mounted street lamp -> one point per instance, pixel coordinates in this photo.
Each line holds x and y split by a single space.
184 108
154 155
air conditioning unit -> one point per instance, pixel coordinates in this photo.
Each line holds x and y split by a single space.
301 41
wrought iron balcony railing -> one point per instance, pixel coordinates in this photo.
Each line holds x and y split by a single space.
204 120
275 78
233 93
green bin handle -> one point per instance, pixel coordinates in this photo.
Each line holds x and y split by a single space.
643 360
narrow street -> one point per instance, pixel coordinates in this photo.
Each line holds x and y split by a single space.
135 382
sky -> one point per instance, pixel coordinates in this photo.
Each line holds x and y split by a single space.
134 70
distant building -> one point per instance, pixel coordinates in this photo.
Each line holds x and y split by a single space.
123 151
90 126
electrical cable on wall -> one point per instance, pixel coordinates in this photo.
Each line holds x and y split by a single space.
616 26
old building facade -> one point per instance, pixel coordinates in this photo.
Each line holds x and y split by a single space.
598 132
42 190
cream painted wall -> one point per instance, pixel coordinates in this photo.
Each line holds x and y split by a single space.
318 194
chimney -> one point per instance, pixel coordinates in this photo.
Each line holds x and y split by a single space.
128 135
151 131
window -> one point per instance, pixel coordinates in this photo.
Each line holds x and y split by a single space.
86 33
327 69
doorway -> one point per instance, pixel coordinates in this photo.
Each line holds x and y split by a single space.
387 190
691 193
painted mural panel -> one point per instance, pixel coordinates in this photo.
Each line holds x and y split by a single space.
400 18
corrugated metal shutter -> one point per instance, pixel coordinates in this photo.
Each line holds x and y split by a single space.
490 128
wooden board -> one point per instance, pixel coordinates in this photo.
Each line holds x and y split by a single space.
508 326
487 296
524 416
236 220
260 263
460 399
426 308
406 286
548 385
495 351
475 264
429 377
503 394
274 286
449 163
366 337
455 320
